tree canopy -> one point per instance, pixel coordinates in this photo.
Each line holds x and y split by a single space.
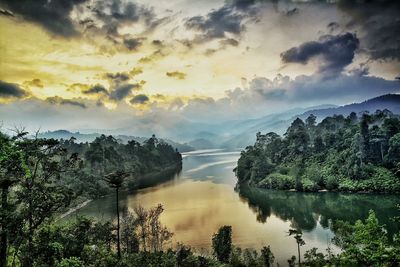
338 153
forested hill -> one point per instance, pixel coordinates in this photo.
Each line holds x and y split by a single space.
106 155
339 153
90 137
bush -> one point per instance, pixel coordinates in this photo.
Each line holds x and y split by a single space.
309 186
332 182
70 262
278 181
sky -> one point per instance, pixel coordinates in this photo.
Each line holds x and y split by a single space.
149 65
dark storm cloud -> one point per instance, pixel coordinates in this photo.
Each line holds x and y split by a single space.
11 90
133 43
380 23
122 91
336 52
54 16
217 23
56 100
117 78
115 13
119 86
97 89
314 88
139 99
122 11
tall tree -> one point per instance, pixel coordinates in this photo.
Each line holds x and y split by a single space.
115 180
11 170
40 193
298 236
222 243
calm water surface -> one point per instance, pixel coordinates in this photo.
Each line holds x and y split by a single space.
203 198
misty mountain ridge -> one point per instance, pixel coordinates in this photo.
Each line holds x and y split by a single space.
235 134
89 137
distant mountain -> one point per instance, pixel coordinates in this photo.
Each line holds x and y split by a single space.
240 133
279 122
389 101
202 143
88 137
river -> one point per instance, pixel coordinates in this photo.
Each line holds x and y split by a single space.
202 198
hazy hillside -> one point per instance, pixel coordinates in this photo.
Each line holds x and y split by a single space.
279 122
389 101
89 137
240 133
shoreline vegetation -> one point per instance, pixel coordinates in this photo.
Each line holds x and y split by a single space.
145 181
42 177
359 154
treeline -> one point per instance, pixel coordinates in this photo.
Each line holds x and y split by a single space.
106 155
39 178
339 153
144 241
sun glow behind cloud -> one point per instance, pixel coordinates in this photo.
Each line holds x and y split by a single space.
195 59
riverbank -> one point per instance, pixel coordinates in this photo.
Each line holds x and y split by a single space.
74 209
144 181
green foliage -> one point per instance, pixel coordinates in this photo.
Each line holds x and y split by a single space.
363 244
222 243
336 154
40 177
107 155
71 262
277 180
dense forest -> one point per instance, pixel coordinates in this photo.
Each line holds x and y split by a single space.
105 155
39 178
353 153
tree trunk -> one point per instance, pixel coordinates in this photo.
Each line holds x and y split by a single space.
3 236
118 244
298 251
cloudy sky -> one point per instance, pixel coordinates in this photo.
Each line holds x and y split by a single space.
109 64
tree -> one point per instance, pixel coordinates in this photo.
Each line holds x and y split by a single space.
298 137
158 233
222 243
11 170
115 180
267 256
365 137
311 120
152 234
298 235
394 148
130 242
40 192
318 144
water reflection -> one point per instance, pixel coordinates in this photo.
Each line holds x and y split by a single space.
202 198
304 210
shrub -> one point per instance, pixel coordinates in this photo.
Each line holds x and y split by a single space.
71 262
278 181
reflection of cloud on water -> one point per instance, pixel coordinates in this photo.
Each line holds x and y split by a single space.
202 151
218 154
230 167
204 166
